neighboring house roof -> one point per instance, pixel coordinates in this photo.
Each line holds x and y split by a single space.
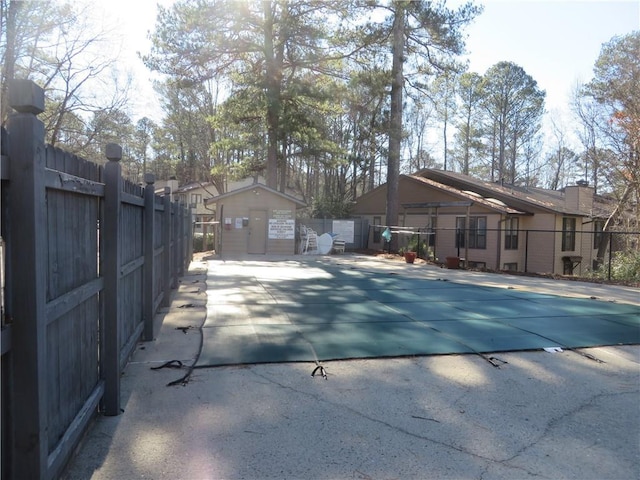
254 186
491 203
208 186
519 198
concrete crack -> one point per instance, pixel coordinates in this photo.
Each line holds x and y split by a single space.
394 427
555 421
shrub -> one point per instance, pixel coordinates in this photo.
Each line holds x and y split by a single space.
413 245
198 242
625 266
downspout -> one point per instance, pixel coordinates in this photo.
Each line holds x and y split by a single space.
221 229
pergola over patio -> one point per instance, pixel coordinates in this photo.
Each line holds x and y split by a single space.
432 210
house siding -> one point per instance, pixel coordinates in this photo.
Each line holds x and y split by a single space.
540 215
538 244
445 219
446 241
583 245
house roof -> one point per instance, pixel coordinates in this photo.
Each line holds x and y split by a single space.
195 185
249 188
517 197
469 195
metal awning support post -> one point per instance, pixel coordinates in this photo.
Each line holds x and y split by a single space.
435 240
466 237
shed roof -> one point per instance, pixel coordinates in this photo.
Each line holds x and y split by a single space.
253 187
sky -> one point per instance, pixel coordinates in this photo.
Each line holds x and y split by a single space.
556 42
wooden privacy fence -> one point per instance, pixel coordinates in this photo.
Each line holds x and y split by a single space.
89 258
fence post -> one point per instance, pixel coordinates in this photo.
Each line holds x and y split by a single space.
110 233
166 252
27 241
190 235
149 269
610 256
181 242
175 234
526 251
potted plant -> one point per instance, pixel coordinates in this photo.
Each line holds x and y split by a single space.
413 247
410 256
453 262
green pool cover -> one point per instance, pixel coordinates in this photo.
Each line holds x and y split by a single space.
265 312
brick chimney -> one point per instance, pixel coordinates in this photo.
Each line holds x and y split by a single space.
579 197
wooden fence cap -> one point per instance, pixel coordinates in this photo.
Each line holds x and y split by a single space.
25 96
113 152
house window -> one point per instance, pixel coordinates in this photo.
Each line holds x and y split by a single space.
377 231
510 267
568 234
431 237
511 234
460 222
198 226
477 265
477 232
196 198
598 227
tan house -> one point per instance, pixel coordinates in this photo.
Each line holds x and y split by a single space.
255 219
160 186
195 194
493 225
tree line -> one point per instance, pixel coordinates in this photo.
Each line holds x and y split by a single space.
325 98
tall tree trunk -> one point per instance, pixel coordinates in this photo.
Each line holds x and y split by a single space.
395 124
373 147
467 144
273 73
512 164
604 239
283 166
372 164
493 153
444 132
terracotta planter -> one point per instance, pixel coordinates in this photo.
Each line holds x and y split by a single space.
409 257
453 262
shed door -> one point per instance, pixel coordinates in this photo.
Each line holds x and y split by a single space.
257 231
